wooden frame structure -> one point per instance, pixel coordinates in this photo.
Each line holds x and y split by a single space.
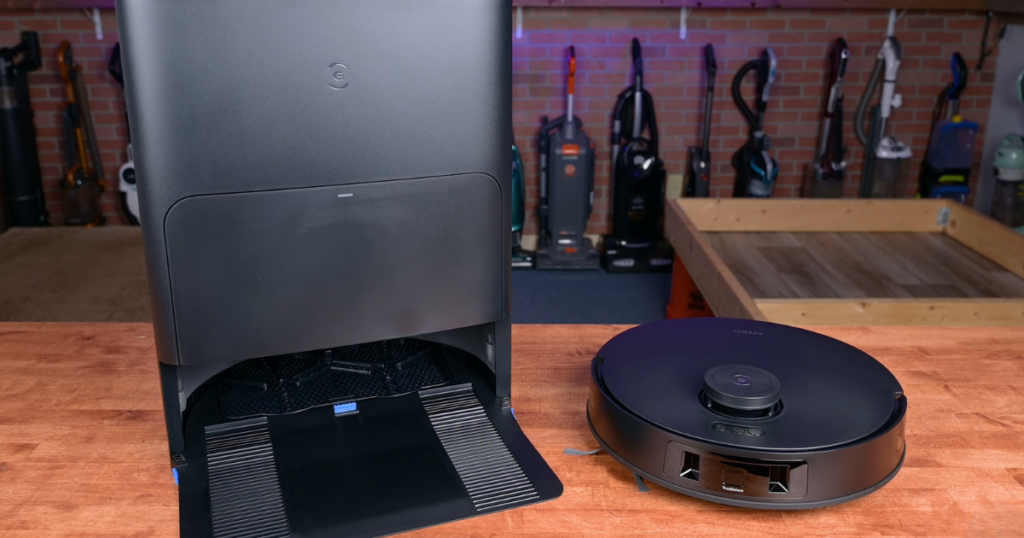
688 219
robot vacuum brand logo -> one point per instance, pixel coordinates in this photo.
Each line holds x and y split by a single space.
570 170
338 75
754 333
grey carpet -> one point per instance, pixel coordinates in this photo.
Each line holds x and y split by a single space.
73 274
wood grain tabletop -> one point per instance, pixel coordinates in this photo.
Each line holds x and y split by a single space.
83 449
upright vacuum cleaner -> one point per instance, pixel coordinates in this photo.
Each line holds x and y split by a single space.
126 174
886 159
824 178
698 169
19 157
947 164
756 169
566 190
638 193
521 259
83 180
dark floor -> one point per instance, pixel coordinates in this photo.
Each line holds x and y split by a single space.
588 297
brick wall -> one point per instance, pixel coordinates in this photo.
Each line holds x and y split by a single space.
48 97
674 75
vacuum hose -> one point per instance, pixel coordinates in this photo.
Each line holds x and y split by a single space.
862 106
737 81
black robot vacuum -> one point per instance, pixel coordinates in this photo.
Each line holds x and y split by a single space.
748 413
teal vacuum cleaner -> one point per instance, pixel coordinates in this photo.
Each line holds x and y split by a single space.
756 169
1008 165
947 164
566 190
521 258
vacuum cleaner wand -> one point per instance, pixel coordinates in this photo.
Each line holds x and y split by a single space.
638 85
572 91
711 66
892 54
831 142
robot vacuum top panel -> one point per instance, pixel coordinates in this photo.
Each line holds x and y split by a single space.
798 390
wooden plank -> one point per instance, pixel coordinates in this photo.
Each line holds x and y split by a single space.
906 312
812 215
972 5
987 237
83 448
722 291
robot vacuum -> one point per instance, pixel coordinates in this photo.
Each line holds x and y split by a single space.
748 413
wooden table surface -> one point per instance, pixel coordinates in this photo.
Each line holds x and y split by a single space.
83 449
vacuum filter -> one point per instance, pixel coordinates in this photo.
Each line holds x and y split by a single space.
748 413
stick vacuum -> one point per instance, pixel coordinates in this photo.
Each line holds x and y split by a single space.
638 193
521 259
824 178
19 157
566 190
756 169
886 159
698 169
82 185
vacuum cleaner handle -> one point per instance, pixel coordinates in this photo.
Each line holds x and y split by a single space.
572 80
737 95
959 68
766 78
638 89
31 57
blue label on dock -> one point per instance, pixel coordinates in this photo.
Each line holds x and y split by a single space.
345 408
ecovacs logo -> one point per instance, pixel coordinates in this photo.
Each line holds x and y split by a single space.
338 75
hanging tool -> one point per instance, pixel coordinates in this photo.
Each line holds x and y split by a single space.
566 190
638 187
698 182
947 164
126 174
824 178
81 186
886 159
756 169
19 156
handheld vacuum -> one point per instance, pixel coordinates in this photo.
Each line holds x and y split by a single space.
566 190
756 169
19 156
886 160
639 182
824 178
947 163
126 175
698 169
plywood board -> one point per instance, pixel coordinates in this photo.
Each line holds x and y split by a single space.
909 312
861 265
987 237
812 215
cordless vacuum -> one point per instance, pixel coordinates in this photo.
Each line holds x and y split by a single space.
521 259
947 164
566 190
886 159
824 178
19 157
698 168
82 184
126 174
638 198
756 169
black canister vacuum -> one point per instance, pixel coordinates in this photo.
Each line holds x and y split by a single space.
635 245
756 169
